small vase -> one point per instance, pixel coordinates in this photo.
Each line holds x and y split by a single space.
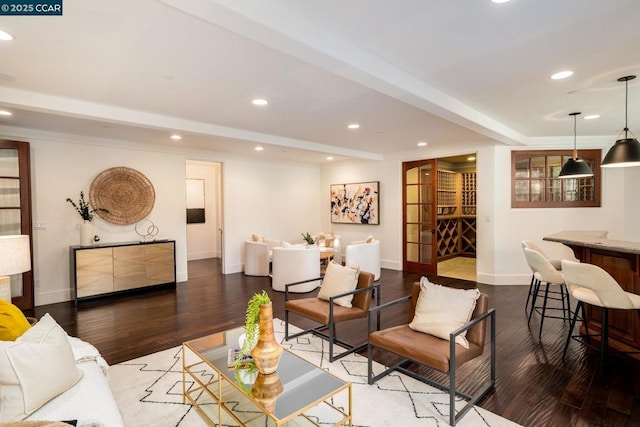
86 233
266 354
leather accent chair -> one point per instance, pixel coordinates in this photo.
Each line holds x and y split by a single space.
327 314
436 353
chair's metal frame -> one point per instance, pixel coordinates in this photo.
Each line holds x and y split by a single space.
318 330
451 389
549 295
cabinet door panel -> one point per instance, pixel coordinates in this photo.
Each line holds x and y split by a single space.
128 267
160 263
94 272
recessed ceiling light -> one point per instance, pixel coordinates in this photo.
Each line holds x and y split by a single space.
260 102
176 137
471 158
500 1
258 148
5 113
591 116
329 157
353 126
5 36
562 75
421 144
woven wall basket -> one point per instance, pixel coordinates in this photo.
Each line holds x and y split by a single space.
126 193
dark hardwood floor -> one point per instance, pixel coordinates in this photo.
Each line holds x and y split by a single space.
535 386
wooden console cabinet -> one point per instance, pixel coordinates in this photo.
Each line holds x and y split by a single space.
118 267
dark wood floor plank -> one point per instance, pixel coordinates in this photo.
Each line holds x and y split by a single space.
535 386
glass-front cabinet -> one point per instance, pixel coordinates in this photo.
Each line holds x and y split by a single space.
535 182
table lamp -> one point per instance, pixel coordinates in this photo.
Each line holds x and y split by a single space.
15 258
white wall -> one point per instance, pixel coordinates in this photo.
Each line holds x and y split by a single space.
631 205
203 240
508 227
389 231
60 170
277 199
500 229
283 199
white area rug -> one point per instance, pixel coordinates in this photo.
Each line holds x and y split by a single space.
148 391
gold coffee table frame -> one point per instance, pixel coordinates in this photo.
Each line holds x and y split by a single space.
304 385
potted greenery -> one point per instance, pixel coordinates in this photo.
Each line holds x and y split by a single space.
307 238
83 208
86 213
266 352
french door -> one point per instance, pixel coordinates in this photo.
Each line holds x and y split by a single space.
15 210
419 216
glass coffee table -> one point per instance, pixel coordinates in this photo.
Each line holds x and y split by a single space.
299 392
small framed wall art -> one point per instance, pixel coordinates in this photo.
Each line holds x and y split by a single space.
195 201
356 203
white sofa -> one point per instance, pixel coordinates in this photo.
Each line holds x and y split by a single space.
90 401
257 256
45 375
365 256
294 264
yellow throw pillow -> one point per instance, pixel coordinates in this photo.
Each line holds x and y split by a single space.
369 239
12 322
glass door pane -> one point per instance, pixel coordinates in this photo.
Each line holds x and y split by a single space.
419 216
15 210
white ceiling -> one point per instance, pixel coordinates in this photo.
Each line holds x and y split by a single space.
440 71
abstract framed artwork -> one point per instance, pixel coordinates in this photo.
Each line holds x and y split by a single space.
195 201
356 203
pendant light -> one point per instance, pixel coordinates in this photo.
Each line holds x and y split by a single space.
575 166
625 152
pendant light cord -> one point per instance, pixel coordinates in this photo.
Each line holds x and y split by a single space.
626 107
575 148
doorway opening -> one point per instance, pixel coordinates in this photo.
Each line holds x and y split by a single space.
204 211
456 217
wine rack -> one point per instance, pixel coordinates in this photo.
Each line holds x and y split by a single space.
456 220
447 192
468 193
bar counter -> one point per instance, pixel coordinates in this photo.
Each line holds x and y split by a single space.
621 259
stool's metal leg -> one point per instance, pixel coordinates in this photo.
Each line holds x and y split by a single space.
604 338
536 288
544 309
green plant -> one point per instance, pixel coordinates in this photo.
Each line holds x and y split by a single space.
307 238
83 208
251 327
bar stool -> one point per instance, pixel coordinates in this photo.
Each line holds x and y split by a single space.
544 272
590 284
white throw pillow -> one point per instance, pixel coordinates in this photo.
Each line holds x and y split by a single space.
441 310
337 280
369 239
285 244
34 369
